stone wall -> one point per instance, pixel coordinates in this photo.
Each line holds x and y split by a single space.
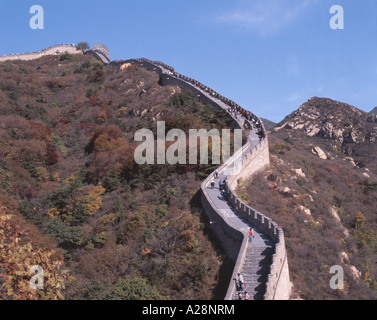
255 159
54 50
278 286
100 52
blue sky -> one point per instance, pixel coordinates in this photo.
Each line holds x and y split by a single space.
270 56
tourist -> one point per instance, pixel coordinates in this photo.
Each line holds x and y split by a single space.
222 185
251 235
241 283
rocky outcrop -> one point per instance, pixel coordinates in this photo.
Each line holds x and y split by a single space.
332 120
329 131
319 152
334 213
354 271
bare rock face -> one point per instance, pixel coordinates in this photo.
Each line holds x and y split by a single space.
351 161
125 66
300 173
354 271
286 191
329 131
319 152
334 213
312 130
366 175
373 136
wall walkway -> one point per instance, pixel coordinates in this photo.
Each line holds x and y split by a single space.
54 50
263 263
100 52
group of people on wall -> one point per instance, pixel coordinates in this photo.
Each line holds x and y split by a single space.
234 109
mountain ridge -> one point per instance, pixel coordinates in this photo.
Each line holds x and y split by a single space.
80 118
332 119
321 189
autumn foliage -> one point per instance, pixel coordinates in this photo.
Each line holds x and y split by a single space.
123 231
18 254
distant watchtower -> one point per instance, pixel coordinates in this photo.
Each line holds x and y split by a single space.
101 52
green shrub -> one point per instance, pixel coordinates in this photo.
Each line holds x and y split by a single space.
281 148
111 181
68 237
134 287
66 56
6 177
60 145
13 95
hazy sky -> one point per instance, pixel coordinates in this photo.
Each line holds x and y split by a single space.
270 56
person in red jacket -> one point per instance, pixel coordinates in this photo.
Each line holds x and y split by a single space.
251 235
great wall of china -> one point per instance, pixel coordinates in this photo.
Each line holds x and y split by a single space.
263 263
100 52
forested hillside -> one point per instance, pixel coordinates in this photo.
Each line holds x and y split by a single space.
114 229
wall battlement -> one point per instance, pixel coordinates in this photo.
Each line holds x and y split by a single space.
100 52
54 50
255 157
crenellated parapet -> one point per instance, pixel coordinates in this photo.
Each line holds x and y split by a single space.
100 52
254 157
54 50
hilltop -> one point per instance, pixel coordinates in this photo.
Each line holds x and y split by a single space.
345 129
322 190
374 111
331 119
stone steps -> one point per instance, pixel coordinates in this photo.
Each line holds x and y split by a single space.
255 270
258 259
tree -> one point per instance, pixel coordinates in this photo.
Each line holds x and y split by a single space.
52 156
108 139
18 255
66 236
75 204
134 287
82 46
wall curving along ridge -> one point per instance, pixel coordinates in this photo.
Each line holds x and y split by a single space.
226 218
229 218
